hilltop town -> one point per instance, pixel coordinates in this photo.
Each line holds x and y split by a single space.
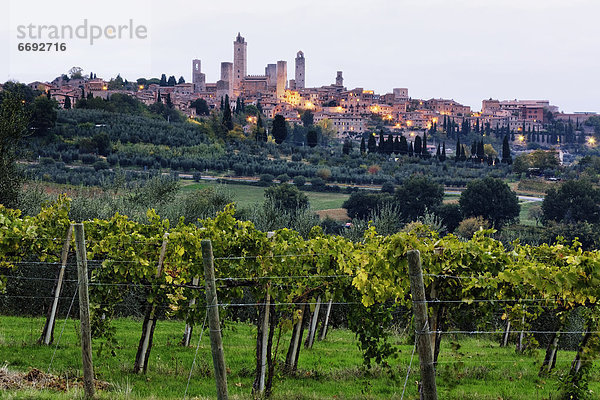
351 113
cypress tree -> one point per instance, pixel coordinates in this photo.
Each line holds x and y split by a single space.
417 146
227 121
403 146
410 149
437 153
389 145
506 158
381 142
67 104
363 148
396 145
480 151
443 155
424 151
372 144
457 155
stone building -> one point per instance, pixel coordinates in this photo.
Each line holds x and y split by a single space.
198 78
239 61
300 69
281 78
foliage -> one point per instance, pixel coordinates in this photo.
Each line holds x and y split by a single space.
468 226
287 198
417 194
491 199
573 201
13 125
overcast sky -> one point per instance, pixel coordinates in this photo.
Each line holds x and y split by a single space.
467 50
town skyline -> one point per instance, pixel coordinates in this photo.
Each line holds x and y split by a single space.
381 46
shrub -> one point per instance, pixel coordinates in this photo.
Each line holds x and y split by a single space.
467 227
266 178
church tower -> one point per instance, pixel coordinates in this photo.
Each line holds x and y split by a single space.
300 68
239 62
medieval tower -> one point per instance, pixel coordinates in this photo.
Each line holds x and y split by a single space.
239 62
281 78
198 78
339 79
300 68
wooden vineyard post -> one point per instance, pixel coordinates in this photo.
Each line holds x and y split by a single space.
84 312
326 323
216 341
313 324
47 333
265 335
423 343
187 333
141 359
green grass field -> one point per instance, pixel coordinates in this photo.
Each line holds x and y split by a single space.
248 196
468 368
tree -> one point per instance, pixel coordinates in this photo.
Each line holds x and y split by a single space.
279 129
403 146
201 106
43 114
363 146
418 146
76 73
227 120
287 198
492 199
372 144
424 151
13 127
361 204
347 147
417 194
312 137
181 80
506 157
163 80
381 147
67 104
307 118
574 201
172 81
443 155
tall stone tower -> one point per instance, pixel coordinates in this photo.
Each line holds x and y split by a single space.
198 78
271 73
239 61
339 79
225 85
281 78
300 68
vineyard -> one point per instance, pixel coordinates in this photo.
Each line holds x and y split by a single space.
541 298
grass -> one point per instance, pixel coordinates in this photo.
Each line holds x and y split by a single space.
524 217
469 368
249 196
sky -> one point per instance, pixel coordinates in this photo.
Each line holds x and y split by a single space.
466 50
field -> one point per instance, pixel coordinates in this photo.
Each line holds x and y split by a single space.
249 196
469 368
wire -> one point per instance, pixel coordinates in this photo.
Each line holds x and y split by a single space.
62 330
409 366
282 277
195 355
435 301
